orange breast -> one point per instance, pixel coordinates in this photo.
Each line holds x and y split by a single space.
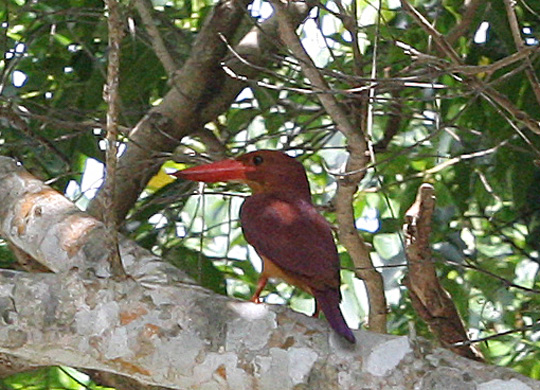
271 270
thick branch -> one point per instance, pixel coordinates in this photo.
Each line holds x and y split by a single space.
178 114
200 93
163 332
11 365
55 233
252 53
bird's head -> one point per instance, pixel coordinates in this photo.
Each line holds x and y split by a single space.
263 170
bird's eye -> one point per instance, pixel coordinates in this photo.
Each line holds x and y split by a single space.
258 160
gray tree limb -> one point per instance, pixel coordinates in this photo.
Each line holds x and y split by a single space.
160 329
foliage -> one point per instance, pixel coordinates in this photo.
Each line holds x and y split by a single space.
430 122
50 378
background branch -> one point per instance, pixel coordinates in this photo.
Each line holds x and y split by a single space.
357 161
204 94
112 97
520 45
475 84
430 300
464 26
144 8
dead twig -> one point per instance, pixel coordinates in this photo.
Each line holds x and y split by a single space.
429 299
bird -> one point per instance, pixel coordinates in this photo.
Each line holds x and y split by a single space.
280 221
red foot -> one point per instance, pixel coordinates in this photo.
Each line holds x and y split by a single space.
260 286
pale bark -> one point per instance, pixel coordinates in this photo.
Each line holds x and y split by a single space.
160 329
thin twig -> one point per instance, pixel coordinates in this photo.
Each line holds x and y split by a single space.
158 44
497 335
506 282
520 45
14 118
112 97
475 84
469 70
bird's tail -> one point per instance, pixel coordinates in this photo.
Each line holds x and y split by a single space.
328 301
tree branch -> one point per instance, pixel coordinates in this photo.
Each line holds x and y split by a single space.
201 91
357 161
430 300
162 331
179 113
144 10
11 365
471 82
112 98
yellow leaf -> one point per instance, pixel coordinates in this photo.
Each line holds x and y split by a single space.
483 61
161 179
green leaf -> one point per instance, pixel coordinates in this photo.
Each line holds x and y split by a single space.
198 266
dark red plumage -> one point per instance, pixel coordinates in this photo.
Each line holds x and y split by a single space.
280 222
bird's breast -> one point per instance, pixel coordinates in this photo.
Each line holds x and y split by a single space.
271 270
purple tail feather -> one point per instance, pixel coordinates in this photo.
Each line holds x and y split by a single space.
328 302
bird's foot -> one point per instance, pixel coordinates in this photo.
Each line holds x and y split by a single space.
260 286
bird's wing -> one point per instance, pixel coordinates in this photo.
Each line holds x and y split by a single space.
294 236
